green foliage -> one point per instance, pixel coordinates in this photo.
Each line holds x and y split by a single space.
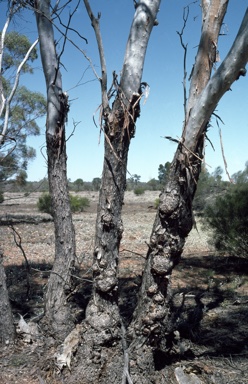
45 204
133 181
227 217
1 197
154 185
78 204
163 172
15 49
208 187
139 191
96 183
25 108
79 183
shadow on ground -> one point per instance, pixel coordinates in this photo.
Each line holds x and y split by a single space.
209 302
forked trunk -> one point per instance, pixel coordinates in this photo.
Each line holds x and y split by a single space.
153 322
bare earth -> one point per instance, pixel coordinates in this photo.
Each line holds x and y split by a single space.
213 323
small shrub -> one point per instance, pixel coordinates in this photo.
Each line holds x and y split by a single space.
1 197
78 204
139 191
45 204
227 217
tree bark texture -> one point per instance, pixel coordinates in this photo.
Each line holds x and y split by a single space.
154 322
107 352
7 329
103 326
119 128
57 310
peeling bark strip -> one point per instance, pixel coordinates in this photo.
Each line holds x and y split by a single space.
57 311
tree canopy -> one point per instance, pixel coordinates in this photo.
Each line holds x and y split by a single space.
26 108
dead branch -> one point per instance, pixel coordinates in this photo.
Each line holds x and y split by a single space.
223 156
185 46
103 80
134 253
18 242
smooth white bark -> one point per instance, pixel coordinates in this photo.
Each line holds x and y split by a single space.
141 28
12 93
49 63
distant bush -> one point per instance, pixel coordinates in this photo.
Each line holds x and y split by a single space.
139 191
45 204
78 204
227 217
1 197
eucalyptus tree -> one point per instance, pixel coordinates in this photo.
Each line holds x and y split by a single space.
151 330
57 311
118 124
153 322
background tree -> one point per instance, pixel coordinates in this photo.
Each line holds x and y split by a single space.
208 187
163 172
79 183
96 183
154 184
26 107
227 217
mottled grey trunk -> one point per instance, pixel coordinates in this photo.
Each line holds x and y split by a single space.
57 309
153 320
119 128
103 348
7 329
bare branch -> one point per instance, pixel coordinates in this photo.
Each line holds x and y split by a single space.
185 19
9 99
2 39
223 156
70 17
18 242
206 55
95 25
230 70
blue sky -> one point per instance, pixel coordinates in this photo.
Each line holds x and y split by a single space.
162 114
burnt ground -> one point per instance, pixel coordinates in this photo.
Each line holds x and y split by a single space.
210 292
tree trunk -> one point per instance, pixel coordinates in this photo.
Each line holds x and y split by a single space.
57 309
103 326
153 323
7 329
